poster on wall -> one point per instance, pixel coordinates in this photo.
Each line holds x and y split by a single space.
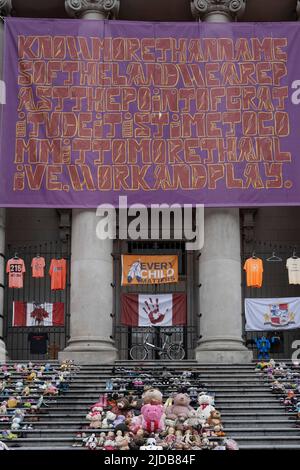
195 113
272 314
149 269
153 309
38 314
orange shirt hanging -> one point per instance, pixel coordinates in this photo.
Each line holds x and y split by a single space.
254 271
15 268
38 265
58 273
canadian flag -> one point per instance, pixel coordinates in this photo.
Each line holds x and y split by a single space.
153 309
37 314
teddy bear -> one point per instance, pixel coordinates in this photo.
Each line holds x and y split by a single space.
205 407
151 445
214 419
152 396
108 421
180 409
192 421
94 416
152 418
122 442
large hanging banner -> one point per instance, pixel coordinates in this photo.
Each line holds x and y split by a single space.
272 314
149 269
153 309
159 112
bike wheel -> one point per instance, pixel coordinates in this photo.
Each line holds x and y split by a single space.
176 352
138 352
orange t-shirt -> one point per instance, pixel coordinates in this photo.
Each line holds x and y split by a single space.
58 272
38 265
15 268
254 270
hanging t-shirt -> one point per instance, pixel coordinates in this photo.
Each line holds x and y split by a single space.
293 267
58 273
15 268
38 265
254 271
38 343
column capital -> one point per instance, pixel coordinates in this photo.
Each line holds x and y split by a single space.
5 7
201 9
77 8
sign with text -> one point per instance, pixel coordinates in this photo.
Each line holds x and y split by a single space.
163 112
149 269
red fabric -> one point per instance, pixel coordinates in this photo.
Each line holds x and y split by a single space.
129 309
19 313
58 314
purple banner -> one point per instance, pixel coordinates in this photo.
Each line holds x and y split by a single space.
160 112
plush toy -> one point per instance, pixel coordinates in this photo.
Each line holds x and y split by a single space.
263 346
108 421
193 420
151 445
110 443
152 418
95 419
12 402
122 442
152 397
26 391
91 442
205 407
170 439
3 408
19 386
181 408
214 419
17 419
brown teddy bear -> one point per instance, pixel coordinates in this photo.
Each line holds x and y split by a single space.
181 408
214 418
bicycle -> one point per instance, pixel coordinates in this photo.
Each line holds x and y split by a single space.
174 351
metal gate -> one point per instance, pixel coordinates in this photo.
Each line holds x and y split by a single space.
125 337
37 290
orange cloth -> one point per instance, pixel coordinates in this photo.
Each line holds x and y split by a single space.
254 270
58 273
15 268
38 265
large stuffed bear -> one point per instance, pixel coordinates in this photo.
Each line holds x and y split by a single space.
152 418
152 397
205 407
181 408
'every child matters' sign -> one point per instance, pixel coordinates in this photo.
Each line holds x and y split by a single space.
159 112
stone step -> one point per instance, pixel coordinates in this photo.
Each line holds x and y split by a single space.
278 440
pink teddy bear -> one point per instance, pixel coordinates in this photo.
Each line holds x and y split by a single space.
152 418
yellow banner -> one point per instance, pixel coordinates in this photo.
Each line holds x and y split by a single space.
149 269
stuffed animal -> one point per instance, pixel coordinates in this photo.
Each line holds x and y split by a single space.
214 419
152 418
108 421
193 421
91 442
151 445
205 407
12 402
3 408
181 408
17 419
152 397
95 419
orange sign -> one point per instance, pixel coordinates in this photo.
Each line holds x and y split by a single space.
149 269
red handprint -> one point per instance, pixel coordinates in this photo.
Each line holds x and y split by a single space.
152 310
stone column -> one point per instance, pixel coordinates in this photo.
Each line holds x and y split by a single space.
91 261
220 261
5 8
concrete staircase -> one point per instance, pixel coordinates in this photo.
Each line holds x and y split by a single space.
251 414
